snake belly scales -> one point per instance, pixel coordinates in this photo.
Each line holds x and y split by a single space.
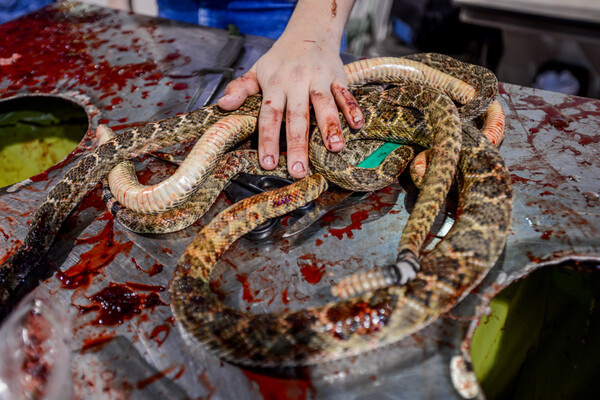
381 315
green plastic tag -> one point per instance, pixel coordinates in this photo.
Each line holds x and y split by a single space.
378 155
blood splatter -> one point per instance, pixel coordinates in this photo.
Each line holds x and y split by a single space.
160 333
248 294
90 263
118 303
208 385
161 374
68 42
285 297
272 388
215 287
310 269
356 224
156 268
94 343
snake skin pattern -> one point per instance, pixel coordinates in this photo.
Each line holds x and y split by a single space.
373 319
337 329
473 87
159 199
86 174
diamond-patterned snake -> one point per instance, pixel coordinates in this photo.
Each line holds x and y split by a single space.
388 310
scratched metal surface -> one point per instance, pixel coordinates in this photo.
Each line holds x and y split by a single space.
125 70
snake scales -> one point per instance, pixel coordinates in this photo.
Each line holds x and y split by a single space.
174 205
336 329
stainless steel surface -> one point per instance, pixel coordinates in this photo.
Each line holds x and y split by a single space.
325 203
221 70
551 147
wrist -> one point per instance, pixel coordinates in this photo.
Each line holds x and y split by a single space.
315 21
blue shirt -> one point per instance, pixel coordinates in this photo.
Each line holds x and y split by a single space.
262 18
11 9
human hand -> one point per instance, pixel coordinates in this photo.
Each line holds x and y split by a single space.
293 74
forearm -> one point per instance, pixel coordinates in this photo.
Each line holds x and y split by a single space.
321 21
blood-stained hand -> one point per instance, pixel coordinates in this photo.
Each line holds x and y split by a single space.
299 70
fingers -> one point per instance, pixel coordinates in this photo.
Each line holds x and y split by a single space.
327 116
297 126
293 95
269 124
348 105
238 90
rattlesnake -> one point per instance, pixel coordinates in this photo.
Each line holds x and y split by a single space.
174 205
389 310
485 192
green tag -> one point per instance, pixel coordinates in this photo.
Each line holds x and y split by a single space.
379 155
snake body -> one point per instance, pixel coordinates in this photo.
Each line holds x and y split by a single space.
376 317
86 174
471 86
340 328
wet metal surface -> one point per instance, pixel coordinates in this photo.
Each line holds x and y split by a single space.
125 70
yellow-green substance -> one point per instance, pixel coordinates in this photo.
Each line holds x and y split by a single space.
542 339
35 134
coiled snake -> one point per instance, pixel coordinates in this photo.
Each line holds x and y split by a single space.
337 329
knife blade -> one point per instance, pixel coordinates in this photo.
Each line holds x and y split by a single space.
221 67
328 202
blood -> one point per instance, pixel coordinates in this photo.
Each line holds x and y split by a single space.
6 237
356 224
156 268
94 260
145 288
73 46
556 116
553 117
96 342
166 250
272 388
118 303
215 287
516 178
501 90
180 373
12 250
94 200
285 297
159 375
587 139
207 385
248 294
172 56
160 333
310 269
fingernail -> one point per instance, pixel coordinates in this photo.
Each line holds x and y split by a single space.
269 161
298 167
335 139
357 119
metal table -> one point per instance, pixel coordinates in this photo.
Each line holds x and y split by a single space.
127 69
